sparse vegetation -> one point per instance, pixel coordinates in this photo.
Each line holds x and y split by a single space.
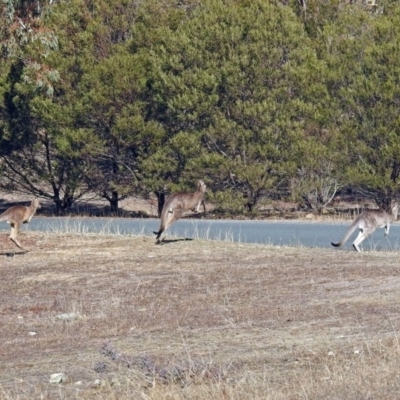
195 320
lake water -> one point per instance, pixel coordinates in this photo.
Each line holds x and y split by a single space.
278 233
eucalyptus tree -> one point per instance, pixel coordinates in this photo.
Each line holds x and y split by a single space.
43 150
24 38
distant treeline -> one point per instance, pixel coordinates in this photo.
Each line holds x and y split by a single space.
262 99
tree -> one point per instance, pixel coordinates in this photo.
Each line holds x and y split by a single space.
113 105
42 151
163 157
117 99
360 51
235 81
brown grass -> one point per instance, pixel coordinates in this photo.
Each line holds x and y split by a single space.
196 320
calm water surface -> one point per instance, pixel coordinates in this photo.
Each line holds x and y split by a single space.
283 233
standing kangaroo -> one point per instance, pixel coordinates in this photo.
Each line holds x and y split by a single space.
177 204
367 222
18 215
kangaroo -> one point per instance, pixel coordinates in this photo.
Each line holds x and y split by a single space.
367 222
18 215
177 204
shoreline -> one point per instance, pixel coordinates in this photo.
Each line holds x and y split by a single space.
137 207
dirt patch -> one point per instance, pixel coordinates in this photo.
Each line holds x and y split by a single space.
123 318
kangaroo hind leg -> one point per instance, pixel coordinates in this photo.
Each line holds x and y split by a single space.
167 222
14 233
362 235
173 216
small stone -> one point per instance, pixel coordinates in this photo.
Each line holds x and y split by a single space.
58 378
115 382
99 382
68 316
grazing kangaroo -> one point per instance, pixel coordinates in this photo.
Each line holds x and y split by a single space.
18 215
367 222
177 204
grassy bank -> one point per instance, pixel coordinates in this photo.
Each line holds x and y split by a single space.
122 318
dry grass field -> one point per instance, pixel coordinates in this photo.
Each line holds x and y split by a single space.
122 318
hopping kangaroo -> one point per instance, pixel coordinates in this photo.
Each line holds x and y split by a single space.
18 215
177 204
367 222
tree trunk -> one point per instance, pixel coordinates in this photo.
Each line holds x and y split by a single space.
160 202
114 201
57 200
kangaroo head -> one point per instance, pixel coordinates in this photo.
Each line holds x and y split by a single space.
201 186
35 203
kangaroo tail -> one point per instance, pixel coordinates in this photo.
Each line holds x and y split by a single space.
352 228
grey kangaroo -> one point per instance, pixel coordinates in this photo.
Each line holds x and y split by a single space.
177 204
18 215
367 222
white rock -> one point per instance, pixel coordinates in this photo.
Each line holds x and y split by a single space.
57 378
115 382
69 316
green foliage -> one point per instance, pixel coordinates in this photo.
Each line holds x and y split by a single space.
113 104
241 88
41 153
260 99
44 152
361 52
25 38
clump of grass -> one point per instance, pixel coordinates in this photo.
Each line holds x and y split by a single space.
172 371
81 226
